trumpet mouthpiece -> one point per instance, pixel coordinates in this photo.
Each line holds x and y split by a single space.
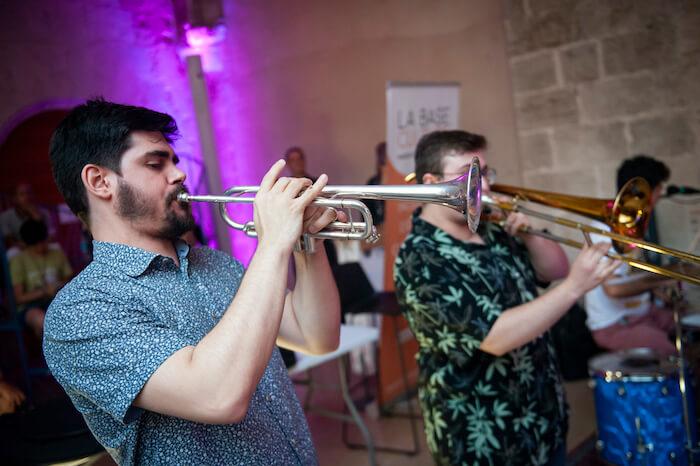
183 197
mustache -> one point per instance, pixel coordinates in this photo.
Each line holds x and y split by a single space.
176 192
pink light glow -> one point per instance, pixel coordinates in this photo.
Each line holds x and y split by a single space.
203 37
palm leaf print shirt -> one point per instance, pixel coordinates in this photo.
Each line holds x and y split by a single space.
112 326
478 408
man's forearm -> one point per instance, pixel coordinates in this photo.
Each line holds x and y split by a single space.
230 360
645 282
315 303
522 324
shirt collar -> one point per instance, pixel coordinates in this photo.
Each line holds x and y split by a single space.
131 260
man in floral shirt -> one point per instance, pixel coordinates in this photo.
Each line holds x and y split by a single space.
489 384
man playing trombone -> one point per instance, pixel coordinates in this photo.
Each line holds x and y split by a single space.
167 351
489 383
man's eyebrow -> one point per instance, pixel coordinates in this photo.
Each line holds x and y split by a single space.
162 154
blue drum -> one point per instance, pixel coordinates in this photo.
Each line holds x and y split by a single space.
639 409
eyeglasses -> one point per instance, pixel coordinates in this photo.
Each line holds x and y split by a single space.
489 173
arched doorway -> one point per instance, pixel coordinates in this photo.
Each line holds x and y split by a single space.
24 158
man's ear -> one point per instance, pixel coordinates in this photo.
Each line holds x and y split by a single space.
429 178
97 181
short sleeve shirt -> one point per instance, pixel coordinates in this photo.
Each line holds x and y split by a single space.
603 310
36 271
478 408
112 326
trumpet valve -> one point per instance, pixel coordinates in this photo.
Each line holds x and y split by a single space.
373 236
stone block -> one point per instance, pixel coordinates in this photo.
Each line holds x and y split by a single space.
583 145
514 8
580 63
619 97
664 136
601 18
533 73
518 37
541 7
530 33
688 19
546 109
678 81
636 51
685 169
577 183
535 150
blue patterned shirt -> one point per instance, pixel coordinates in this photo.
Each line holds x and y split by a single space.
112 326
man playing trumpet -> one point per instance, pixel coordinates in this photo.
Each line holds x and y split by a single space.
167 351
489 383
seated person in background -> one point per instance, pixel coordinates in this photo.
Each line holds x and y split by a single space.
296 163
621 312
37 272
11 397
24 208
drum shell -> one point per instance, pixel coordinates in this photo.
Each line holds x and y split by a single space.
641 421
639 407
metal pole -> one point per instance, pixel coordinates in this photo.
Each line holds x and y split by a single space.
207 142
676 299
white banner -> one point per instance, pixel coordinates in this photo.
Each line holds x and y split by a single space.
415 109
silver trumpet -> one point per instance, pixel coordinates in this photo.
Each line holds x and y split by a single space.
462 194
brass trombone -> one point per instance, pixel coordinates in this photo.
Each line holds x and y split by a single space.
627 216
462 194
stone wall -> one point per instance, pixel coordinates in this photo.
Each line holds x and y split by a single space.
595 81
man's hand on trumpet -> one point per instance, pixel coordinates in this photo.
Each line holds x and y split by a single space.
283 210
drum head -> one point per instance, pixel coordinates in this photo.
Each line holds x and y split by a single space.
636 362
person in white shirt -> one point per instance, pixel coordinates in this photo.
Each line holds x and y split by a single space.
621 311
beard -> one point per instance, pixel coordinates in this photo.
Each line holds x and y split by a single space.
134 206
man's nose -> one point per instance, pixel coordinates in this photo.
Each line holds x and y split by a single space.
177 176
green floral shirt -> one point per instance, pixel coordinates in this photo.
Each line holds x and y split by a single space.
478 408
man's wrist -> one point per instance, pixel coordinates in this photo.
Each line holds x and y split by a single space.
273 252
570 290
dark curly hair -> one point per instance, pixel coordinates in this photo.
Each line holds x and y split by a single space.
98 132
